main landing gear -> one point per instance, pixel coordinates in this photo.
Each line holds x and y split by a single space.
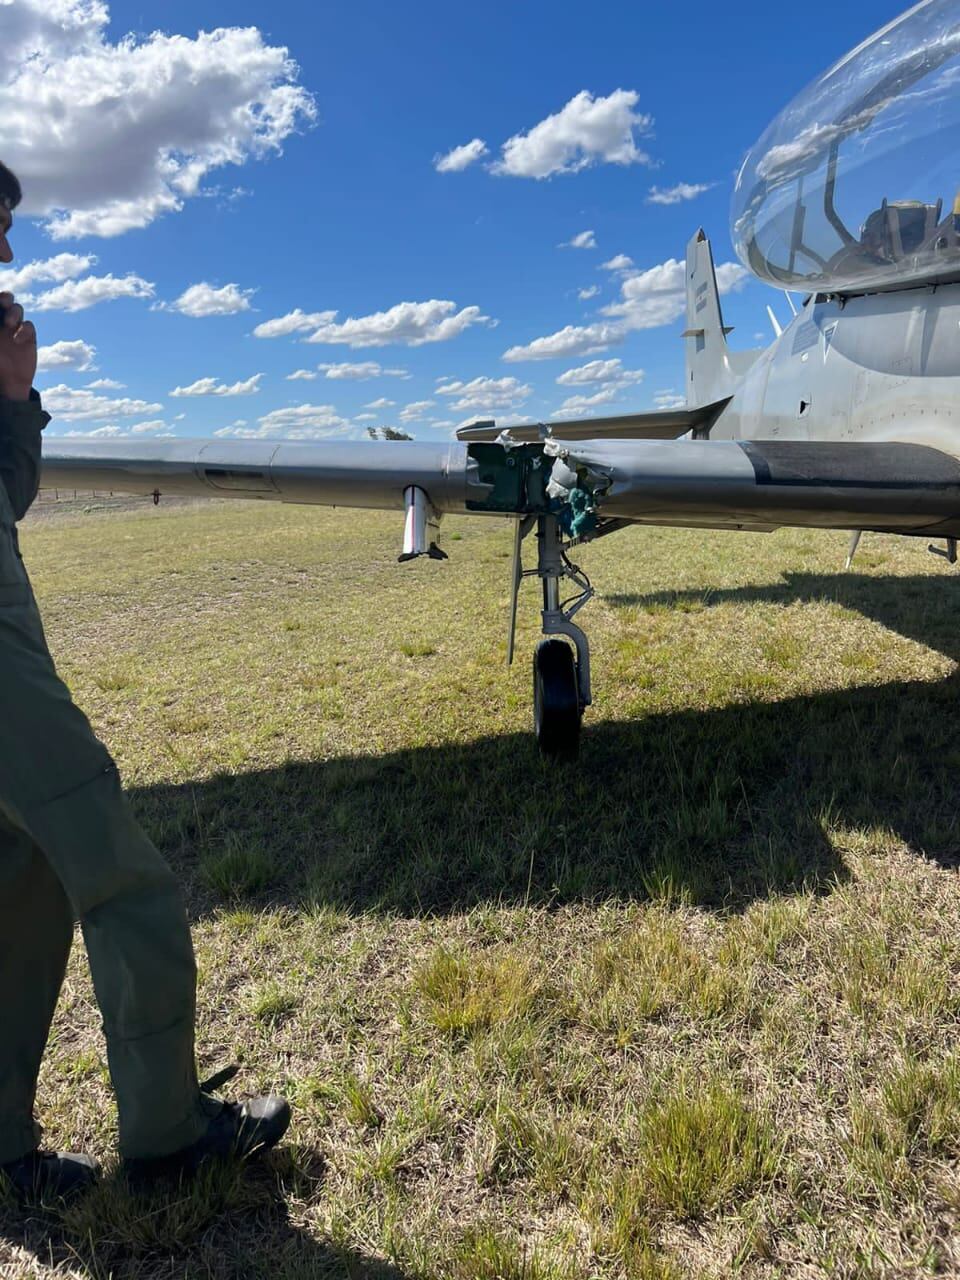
561 662
561 673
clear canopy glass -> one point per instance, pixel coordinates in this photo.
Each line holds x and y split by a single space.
856 184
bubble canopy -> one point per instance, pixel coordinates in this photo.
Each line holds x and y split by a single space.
856 185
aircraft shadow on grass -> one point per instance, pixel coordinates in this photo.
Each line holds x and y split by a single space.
717 807
922 608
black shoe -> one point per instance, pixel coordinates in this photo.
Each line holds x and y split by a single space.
239 1130
48 1175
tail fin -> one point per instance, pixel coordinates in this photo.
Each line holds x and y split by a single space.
711 373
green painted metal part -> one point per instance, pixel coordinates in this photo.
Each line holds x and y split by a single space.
579 513
519 478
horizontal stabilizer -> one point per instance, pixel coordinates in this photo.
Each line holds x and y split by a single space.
664 424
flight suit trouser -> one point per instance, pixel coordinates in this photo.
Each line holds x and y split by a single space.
70 848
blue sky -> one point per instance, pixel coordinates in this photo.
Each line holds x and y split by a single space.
336 204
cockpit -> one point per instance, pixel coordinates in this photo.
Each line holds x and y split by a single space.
855 186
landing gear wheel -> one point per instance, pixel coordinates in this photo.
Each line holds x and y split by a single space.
556 700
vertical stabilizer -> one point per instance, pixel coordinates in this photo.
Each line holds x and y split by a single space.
709 374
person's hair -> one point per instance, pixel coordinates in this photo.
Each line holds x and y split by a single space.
10 193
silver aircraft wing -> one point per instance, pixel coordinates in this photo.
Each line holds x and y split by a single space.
764 484
330 473
713 483
422 480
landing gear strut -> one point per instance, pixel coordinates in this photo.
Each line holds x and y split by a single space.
561 674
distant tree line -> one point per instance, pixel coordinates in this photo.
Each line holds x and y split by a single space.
387 433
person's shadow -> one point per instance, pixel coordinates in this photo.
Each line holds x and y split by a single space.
233 1224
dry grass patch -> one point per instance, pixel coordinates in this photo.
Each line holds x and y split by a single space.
667 963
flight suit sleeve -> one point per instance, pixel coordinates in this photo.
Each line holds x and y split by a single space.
21 422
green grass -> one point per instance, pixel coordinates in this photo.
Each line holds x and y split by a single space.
700 1147
236 871
687 1008
468 994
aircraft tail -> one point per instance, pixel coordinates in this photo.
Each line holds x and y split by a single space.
712 370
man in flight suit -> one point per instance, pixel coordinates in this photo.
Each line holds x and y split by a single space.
70 849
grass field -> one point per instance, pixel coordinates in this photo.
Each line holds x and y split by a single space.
687 1008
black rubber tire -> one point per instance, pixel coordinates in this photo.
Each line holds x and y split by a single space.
556 700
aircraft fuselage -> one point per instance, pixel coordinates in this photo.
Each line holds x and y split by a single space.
879 367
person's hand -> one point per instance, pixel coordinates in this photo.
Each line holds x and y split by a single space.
18 350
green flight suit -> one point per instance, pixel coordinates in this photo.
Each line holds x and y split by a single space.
71 849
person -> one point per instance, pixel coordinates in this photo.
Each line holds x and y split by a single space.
70 849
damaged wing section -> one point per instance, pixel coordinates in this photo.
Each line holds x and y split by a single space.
902 488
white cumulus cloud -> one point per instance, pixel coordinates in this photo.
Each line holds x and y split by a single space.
202 300
111 431
63 266
582 240
618 263
669 400
583 404
108 432
106 135
57 25
74 404
211 387
74 354
381 403
571 340
299 422
293 322
600 371
676 195
658 296
648 299
303 375
415 410
79 295
105 384
459 158
360 371
483 394
409 324
590 291
585 132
